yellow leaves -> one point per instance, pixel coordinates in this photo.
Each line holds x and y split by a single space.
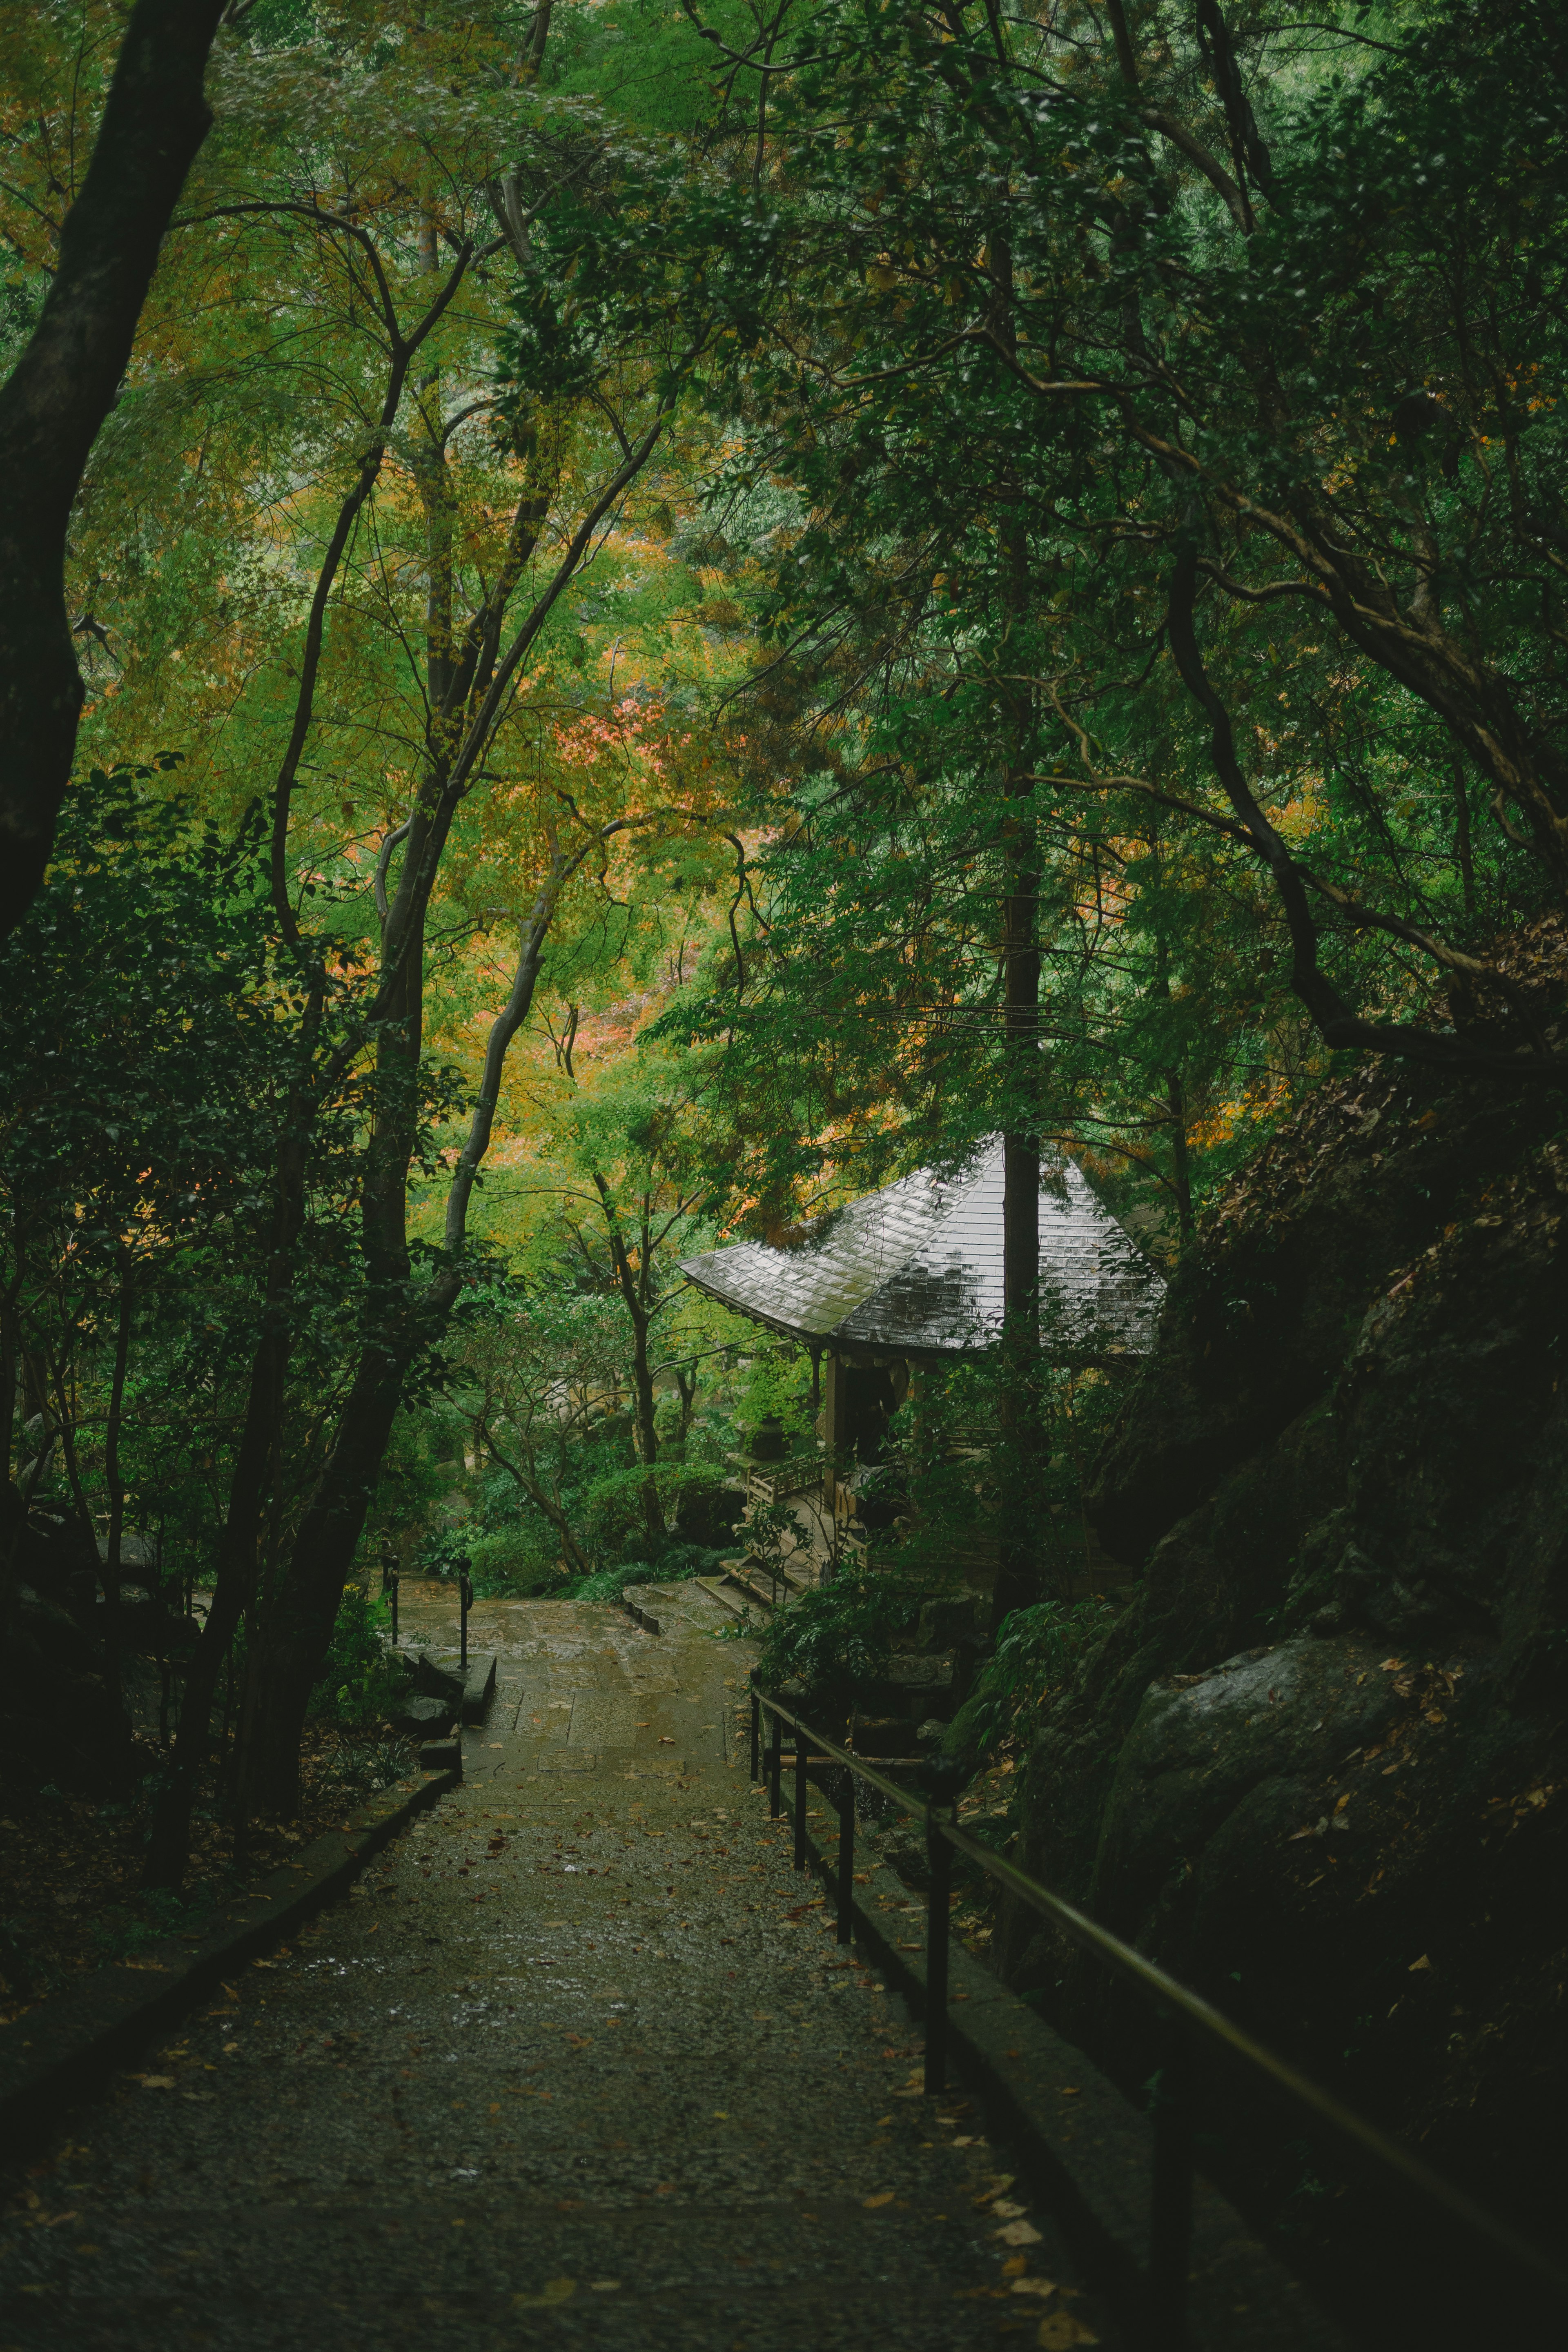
1000 2186
552 2293
1019 2233
1059 2331
872 2204
1416 1966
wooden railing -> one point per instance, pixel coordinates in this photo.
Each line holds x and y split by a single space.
1524 2289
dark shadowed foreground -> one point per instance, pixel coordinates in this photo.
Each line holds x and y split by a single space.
579 2063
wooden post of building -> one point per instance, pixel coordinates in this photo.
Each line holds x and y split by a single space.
834 1424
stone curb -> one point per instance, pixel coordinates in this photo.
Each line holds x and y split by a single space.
1092 2147
62 2050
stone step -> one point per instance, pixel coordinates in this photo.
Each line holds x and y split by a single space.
442 1679
716 1589
751 1582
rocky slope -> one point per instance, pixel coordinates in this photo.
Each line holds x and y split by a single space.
1319 1763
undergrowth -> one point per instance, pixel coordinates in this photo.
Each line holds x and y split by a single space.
1037 1650
673 1564
840 1632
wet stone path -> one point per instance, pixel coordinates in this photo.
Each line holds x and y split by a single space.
578 2062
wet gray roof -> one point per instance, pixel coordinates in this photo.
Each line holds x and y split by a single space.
916 1270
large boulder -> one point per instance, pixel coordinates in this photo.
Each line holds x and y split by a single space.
1319 1765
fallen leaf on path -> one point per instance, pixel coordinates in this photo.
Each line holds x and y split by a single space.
554 2291
883 2197
156 2081
1007 2210
1034 2286
1059 2330
1019 2233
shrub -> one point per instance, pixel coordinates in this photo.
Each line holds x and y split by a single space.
360 1681
1035 1651
675 1561
839 1632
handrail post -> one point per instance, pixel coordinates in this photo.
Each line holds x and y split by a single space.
756 1736
802 1783
939 1854
846 1858
776 1767
1171 2195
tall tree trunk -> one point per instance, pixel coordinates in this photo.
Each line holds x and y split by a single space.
234 1588
56 398
296 1628
1181 1157
292 1645
300 1626
634 1288
1022 1424
529 1482
113 1481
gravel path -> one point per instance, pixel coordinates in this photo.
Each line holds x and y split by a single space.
578 2064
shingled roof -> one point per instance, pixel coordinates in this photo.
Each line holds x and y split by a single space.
916 1271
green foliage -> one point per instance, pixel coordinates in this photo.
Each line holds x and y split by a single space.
1220 454
159 1913
838 1634
675 1562
777 1386
359 1678
1143 511
1037 1649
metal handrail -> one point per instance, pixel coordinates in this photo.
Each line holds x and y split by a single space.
1183 2011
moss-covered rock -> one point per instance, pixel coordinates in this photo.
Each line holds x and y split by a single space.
1318 1765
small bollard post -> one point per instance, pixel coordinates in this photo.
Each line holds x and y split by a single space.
465 1602
802 1785
392 1584
1171 2196
940 1856
846 1859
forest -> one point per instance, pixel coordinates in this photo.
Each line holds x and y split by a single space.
620 624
